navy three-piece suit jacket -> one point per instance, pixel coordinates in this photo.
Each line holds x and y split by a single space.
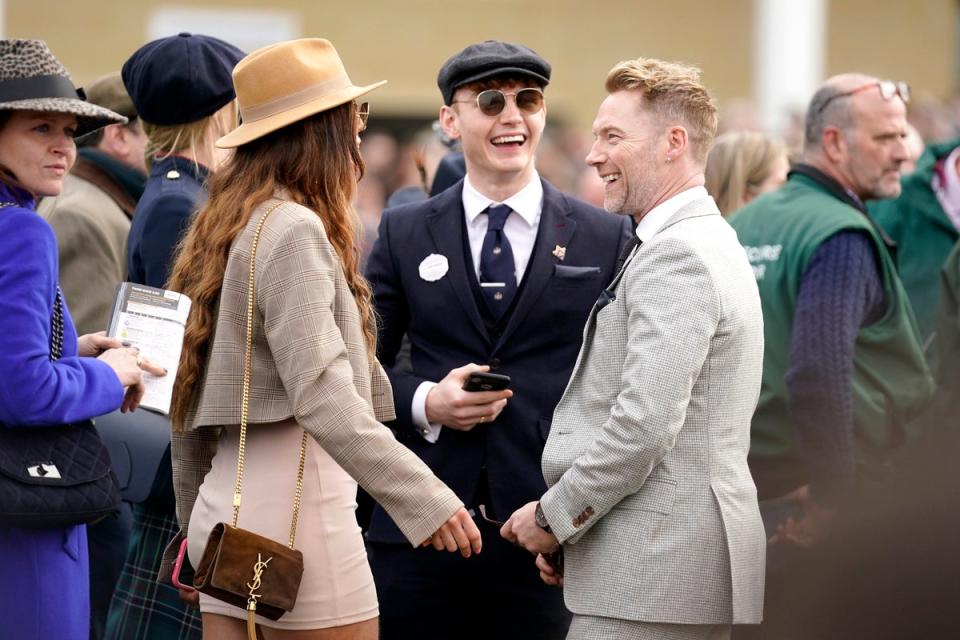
573 259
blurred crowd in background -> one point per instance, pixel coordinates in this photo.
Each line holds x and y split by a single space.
399 158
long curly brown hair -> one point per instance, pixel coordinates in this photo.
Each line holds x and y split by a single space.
317 162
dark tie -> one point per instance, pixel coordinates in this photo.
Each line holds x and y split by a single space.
607 295
627 248
498 273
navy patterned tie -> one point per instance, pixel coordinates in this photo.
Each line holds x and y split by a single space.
498 273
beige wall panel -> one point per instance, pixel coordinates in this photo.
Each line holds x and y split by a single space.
406 42
911 41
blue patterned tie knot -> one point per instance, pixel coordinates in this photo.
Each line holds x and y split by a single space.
497 216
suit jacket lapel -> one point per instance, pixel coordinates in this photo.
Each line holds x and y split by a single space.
700 207
556 228
445 223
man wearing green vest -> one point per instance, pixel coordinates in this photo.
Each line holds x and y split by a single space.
944 414
843 362
924 222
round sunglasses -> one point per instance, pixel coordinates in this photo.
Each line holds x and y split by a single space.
492 102
363 115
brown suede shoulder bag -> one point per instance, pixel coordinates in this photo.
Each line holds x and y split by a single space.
238 566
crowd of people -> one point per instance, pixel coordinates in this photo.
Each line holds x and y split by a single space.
698 388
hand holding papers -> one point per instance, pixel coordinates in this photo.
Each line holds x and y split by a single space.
153 320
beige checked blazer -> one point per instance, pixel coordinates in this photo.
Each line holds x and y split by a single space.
310 361
650 493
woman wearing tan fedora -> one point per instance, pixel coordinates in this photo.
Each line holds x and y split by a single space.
289 184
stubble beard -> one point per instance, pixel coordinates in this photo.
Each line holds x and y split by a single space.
614 203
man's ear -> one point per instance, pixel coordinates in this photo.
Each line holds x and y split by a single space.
450 122
677 142
834 144
113 140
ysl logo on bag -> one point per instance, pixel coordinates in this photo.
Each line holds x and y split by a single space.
254 585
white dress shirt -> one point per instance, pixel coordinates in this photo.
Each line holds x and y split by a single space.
658 216
521 230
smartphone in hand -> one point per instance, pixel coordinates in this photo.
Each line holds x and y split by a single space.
483 381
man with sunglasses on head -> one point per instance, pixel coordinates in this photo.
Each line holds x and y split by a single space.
844 369
496 274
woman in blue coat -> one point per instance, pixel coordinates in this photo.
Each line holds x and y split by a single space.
44 586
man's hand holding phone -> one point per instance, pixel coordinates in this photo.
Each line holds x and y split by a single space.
451 405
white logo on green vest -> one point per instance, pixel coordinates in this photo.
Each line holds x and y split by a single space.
760 256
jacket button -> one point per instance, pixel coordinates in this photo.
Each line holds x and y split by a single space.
494 363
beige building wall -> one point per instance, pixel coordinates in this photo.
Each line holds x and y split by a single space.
913 41
406 41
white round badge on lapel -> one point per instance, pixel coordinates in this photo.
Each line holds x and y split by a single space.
434 267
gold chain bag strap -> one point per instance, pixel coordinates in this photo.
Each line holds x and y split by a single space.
238 566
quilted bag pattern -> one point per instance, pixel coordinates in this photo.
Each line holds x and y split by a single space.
54 476
57 475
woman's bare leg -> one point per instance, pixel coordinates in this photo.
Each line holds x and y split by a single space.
366 630
217 627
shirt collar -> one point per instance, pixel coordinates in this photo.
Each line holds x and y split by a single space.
658 216
527 202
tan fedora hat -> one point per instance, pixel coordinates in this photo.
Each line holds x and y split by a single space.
286 82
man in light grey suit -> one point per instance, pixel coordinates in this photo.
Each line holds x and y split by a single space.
649 491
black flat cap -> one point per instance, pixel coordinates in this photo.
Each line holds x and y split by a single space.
487 59
182 78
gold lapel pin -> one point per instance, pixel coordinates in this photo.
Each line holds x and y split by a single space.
560 252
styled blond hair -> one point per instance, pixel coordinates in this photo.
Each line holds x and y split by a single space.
675 94
738 164
199 135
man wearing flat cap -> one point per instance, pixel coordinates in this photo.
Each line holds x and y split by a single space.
496 274
91 216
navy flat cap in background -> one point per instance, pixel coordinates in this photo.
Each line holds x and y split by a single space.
182 78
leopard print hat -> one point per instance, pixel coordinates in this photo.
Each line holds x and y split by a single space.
32 79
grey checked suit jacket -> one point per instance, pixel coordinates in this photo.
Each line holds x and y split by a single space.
310 361
650 493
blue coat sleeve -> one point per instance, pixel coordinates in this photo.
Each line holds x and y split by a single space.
34 389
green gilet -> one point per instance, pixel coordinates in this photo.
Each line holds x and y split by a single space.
925 234
891 382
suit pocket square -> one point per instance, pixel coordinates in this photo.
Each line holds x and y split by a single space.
570 272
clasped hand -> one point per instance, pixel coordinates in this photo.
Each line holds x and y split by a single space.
809 529
522 529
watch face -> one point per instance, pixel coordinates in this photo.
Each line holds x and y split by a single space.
540 518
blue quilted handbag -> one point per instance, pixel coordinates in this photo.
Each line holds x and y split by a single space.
58 475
